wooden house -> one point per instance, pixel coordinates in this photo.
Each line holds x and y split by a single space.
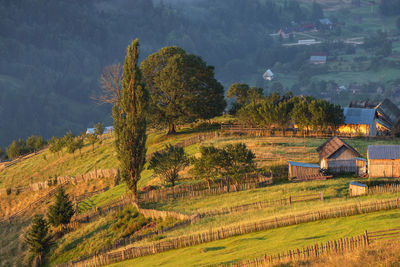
337 156
358 121
384 161
300 170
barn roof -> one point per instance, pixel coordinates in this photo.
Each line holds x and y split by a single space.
358 184
389 110
359 116
301 164
384 152
332 145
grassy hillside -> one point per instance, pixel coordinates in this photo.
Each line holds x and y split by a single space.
270 151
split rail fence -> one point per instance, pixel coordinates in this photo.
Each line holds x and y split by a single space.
221 233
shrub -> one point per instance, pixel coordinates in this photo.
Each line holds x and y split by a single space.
8 191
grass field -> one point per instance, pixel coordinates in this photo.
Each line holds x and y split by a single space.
269 242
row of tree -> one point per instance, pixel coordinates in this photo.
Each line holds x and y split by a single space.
22 147
229 163
38 238
282 111
72 142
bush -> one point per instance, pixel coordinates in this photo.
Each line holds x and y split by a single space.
8 191
17 192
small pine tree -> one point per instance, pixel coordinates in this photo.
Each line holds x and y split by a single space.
62 211
38 240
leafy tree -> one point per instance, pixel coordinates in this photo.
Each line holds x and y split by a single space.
169 163
209 166
16 149
62 211
99 129
182 88
79 143
239 92
1 154
238 160
129 115
92 139
56 144
34 143
38 240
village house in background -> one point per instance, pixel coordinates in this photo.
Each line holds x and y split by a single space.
384 161
366 118
268 75
337 156
107 130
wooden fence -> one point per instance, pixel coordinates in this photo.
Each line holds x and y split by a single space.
31 205
225 232
321 249
388 234
201 189
264 204
382 189
310 252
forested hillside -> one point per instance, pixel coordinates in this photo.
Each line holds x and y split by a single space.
52 52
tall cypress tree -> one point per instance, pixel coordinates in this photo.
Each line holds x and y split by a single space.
38 240
129 115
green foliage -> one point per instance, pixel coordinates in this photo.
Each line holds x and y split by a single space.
182 88
129 220
38 240
8 191
21 147
279 111
209 166
129 115
169 163
61 212
1 153
238 161
56 144
99 129
92 139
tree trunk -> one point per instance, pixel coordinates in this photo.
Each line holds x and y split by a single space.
134 192
171 129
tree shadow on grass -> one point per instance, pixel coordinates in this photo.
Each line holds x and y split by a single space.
82 238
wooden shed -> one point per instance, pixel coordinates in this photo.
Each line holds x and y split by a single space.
357 189
300 170
337 156
384 161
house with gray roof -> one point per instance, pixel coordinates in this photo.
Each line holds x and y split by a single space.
359 121
384 161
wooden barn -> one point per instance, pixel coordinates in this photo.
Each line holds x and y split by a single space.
337 156
359 121
384 161
301 170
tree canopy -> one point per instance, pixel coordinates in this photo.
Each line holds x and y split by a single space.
182 88
61 212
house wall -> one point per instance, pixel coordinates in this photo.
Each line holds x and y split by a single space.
299 172
355 166
384 168
356 129
343 153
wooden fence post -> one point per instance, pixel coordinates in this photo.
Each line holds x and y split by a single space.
321 196
366 237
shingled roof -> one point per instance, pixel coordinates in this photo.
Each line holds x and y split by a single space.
332 145
384 152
